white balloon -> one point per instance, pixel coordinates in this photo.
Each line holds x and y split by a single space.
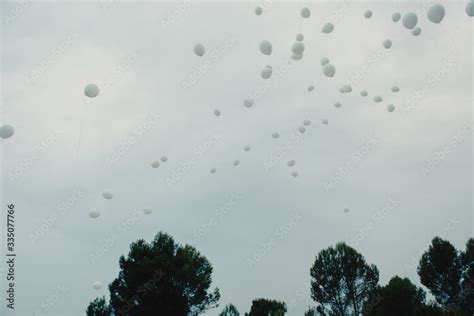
275 135
6 131
297 48
302 129
266 47
378 99
306 122
266 72
94 214
364 93
416 31
213 170
97 285
396 17
436 13
387 43
345 88
305 13
410 20
108 195
328 28
337 104
299 37
368 14
217 112
390 107
395 89
291 163
155 164
296 56
325 122
294 174
310 88
470 8
248 102
236 162
324 61
199 50
247 148
91 90
258 10
329 70
147 211
164 159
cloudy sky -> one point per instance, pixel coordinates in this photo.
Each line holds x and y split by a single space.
403 176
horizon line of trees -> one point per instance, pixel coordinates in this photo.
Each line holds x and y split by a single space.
166 278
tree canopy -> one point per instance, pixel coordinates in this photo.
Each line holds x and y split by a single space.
164 278
265 307
342 280
230 310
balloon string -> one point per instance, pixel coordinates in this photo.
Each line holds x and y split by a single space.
82 123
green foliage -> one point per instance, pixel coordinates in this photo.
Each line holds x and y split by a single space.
264 307
342 281
229 310
98 307
162 278
398 297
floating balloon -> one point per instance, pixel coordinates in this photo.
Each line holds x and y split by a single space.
364 93
387 43
346 210
299 37
97 285
297 48
325 122
396 17
213 170
324 61
345 88
258 10
368 14
310 88
266 72
6 131
470 8
266 47
155 164
291 163
199 50
337 104
296 56
91 90
302 129
436 13
305 13
329 70
306 122
247 148
390 107
236 162
248 102
147 211
108 195
416 31
328 28
378 99
395 89
94 214
410 20
217 112
164 159
294 174
275 135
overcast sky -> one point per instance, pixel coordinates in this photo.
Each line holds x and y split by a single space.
259 226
